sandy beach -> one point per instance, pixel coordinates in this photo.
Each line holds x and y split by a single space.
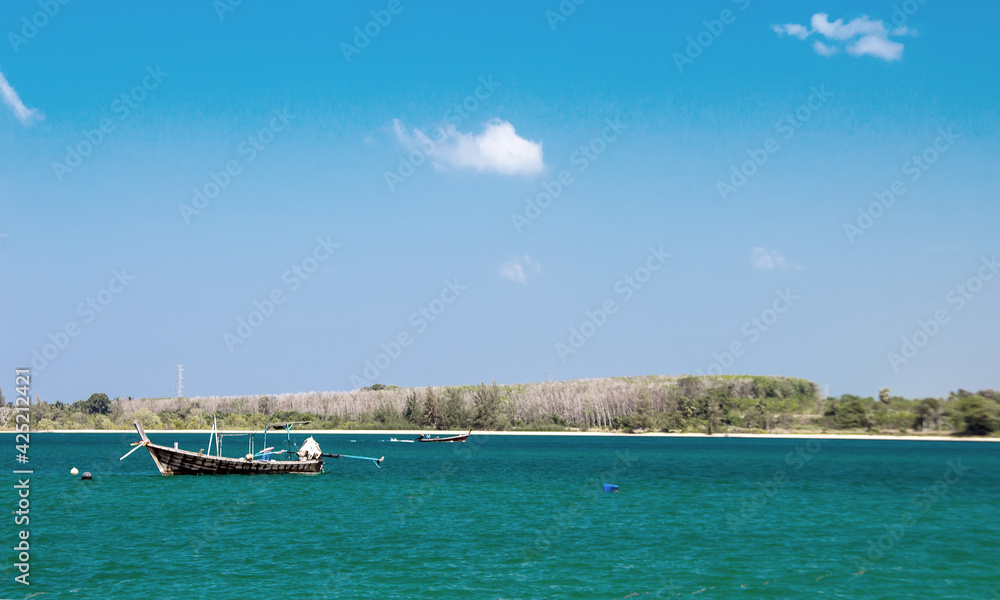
406 433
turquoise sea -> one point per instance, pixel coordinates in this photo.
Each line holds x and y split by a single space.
518 517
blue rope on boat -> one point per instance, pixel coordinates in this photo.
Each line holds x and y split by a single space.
374 460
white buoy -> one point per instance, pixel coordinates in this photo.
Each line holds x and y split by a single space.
74 471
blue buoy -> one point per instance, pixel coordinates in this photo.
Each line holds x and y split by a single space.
610 487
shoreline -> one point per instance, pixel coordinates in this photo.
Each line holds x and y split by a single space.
415 432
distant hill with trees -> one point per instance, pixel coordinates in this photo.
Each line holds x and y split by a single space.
706 404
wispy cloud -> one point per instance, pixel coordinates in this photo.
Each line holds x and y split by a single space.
823 49
517 269
498 149
25 115
876 45
791 29
769 260
861 37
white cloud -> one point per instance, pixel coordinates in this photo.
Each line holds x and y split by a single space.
517 269
859 37
876 46
24 114
792 29
837 30
498 149
823 49
767 260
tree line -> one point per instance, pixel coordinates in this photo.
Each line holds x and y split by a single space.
707 404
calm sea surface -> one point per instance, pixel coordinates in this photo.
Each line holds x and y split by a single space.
517 517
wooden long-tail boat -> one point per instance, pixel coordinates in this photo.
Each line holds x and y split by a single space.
454 438
174 461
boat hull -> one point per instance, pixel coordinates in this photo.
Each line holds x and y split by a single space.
457 438
172 461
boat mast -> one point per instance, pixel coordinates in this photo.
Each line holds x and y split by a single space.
211 436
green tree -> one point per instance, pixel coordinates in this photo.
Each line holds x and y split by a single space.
927 414
487 401
411 412
97 404
388 417
715 407
454 414
670 419
687 408
850 412
978 415
430 416
102 422
885 397
148 418
265 406
643 418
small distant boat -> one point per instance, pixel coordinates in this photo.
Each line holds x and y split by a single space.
174 461
455 438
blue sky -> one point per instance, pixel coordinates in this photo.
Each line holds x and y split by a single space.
634 117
